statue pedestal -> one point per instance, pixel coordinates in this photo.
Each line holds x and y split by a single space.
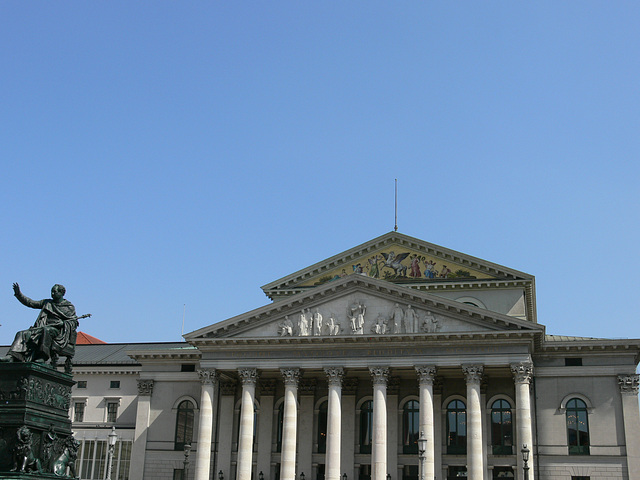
35 396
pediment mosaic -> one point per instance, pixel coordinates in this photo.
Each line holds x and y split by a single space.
397 263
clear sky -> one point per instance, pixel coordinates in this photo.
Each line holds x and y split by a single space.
157 154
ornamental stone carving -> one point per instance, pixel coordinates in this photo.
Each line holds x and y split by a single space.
145 388
334 376
290 376
522 372
307 386
473 373
379 375
228 388
267 386
393 386
349 386
629 384
426 374
208 376
248 376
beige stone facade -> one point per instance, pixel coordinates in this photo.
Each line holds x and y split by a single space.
359 355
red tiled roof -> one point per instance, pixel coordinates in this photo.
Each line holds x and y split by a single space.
86 339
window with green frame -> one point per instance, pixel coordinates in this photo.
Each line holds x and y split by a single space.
577 427
366 426
501 428
184 425
456 428
410 426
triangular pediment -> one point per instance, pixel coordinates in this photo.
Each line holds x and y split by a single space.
359 306
398 259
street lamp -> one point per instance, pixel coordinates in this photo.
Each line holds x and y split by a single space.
187 451
302 476
344 476
113 438
525 461
220 475
422 450
261 475
388 476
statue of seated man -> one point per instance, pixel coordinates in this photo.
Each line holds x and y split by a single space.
51 332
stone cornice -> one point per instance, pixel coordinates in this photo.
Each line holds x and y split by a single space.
93 371
165 354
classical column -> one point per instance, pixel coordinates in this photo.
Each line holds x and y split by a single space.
426 375
473 376
334 422
209 380
248 377
631 418
379 377
290 423
145 389
522 374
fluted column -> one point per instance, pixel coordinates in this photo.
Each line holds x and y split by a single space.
290 424
209 380
379 377
334 423
249 378
426 375
522 374
473 376
631 417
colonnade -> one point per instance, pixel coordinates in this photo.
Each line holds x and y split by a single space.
379 375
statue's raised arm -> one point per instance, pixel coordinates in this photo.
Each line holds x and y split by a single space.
52 335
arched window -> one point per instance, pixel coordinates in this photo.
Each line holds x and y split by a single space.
184 425
456 428
322 428
280 425
366 426
410 426
501 428
577 427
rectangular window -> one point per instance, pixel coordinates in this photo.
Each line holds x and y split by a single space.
580 477
82 384
573 362
112 412
78 412
188 367
114 384
92 460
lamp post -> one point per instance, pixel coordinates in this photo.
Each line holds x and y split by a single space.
525 461
344 476
113 438
187 451
220 475
422 450
261 475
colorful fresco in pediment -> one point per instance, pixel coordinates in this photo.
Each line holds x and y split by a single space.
401 264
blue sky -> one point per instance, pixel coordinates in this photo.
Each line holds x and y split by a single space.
157 154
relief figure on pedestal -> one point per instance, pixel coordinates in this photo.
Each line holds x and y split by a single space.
430 324
356 317
333 326
397 318
317 323
409 320
304 323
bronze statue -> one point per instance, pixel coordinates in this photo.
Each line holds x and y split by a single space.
52 335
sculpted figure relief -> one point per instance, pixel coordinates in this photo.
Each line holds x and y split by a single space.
304 324
52 335
317 323
409 320
333 326
431 324
356 317
286 327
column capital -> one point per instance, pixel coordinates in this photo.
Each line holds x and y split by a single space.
145 388
426 374
522 372
228 387
248 376
379 375
473 373
290 376
208 376
334 376
629 384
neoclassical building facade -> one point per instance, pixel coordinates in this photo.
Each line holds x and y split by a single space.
354 359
